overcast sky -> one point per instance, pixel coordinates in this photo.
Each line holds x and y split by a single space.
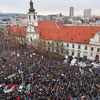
45 7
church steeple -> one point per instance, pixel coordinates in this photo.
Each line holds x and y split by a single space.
31 6
32 21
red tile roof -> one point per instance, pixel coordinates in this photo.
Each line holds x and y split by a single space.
17 31
78 34
53 31
49 25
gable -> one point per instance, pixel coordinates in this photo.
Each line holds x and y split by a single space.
96 39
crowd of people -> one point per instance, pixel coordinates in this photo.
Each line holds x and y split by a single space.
49 78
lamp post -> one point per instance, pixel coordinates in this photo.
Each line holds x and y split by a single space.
18 55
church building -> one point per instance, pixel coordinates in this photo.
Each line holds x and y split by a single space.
79 41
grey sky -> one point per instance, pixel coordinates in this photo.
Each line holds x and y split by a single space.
50 6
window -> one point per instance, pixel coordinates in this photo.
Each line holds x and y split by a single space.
34 17
52 43
91 48
57 50
72 53
62 45
43 42
67 52
62 51
30 29
85 47
48 49
57 44
53 50
98 49
79 46
78 55
48 43
72 45
67 45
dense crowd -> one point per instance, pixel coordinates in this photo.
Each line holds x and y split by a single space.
47 78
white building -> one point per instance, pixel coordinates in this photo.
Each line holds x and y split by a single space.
79 41
87 14
19 21
32 34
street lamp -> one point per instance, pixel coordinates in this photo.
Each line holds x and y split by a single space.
18 55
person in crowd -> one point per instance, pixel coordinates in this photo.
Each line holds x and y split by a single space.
45 78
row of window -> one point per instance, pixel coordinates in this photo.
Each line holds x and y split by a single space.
63 52
73 46
67 52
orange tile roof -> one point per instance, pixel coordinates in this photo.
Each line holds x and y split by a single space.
78 34
48 24
53 31
17 31
21 31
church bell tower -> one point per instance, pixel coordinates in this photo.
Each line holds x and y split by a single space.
32 22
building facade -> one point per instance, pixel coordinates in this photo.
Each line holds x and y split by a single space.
71 12
88 51
87 15
32 34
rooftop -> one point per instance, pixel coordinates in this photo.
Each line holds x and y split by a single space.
54 31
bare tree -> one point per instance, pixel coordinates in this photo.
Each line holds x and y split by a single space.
40 47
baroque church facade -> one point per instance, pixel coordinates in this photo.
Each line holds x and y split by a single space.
31 34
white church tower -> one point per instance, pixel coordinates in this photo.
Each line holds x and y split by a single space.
32 35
